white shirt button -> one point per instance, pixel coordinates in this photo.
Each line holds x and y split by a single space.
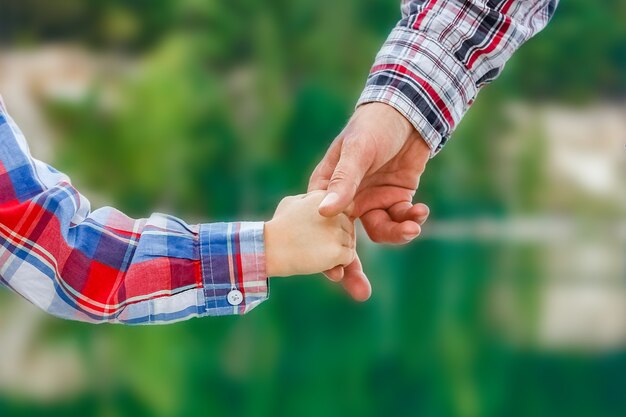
235 297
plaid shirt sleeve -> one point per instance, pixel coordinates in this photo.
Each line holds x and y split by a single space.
103 266
442 52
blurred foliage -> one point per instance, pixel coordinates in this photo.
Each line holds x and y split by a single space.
234 104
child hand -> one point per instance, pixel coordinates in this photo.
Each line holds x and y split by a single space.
299 241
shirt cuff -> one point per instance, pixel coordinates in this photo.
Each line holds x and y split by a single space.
233 266
421 79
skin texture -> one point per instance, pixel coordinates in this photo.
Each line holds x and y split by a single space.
300 241
373 167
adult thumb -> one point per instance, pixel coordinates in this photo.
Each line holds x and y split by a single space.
345 181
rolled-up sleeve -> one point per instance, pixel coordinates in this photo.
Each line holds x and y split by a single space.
439 56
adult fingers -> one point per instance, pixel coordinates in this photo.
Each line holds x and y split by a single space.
381 228
355 281
378 197
324 170
346 178
422 211
404 210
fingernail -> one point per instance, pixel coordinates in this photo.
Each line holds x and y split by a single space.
329 200
409 237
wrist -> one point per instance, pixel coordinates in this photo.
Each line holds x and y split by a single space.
399 125
423 151
406 130
273 250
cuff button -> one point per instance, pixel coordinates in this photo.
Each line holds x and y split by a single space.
235 297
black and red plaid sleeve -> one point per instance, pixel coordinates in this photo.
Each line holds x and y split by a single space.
441 53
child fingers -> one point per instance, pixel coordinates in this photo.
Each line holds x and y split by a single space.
349 211
346 256
346 238
346 224
334 274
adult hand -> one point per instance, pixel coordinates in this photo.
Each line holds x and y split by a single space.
375 163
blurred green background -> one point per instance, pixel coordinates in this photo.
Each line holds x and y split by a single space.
513 302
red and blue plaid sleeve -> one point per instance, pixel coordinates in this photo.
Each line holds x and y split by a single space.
442 52
103 266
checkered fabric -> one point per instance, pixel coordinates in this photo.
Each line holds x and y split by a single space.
442 52
103 266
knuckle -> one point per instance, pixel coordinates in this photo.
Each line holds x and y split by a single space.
348 256
343 218
338 251
341 176
375 236
337 234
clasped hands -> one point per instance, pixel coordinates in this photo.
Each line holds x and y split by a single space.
370 172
